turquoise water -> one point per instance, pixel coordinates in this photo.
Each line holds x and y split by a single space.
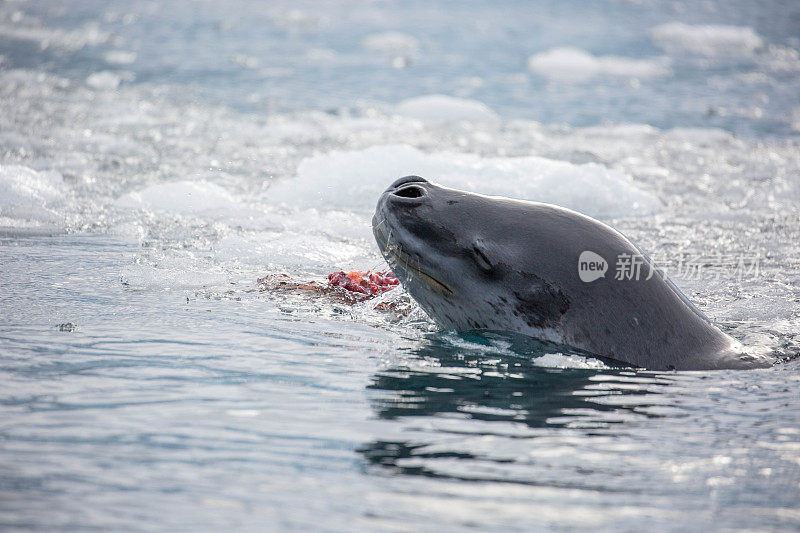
156 159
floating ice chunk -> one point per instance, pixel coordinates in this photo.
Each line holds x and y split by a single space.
293 19
391 42
120 57
104 80
700 136
321 54
185 197
780 59
245 60
442 108
128 230
301 239
563 64
294 250
576 65
332 224
30 196
354 180
706 40
346 180
794 119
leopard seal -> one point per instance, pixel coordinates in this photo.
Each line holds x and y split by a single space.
477 262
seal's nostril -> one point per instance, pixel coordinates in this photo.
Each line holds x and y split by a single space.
407 179
412 191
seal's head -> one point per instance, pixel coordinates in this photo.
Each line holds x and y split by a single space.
481 262
456 253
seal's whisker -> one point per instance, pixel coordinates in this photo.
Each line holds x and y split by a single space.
389 243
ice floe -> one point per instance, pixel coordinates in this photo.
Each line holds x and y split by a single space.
391 42
30 197
706 39
442 108
576 65
355 179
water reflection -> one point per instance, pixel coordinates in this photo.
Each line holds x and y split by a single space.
485 407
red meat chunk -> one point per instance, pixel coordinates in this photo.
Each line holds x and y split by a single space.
370 283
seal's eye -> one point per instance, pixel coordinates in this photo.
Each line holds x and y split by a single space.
481 259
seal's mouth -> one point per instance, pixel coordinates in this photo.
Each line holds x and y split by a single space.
390 249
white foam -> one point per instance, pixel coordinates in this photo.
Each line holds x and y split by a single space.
391 42
575 65
706 40
355 179
503 347
442 108
559 360
28 197
184 197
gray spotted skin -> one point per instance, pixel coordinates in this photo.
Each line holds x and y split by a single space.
479 262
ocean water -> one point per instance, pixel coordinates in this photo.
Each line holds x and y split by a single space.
157 158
